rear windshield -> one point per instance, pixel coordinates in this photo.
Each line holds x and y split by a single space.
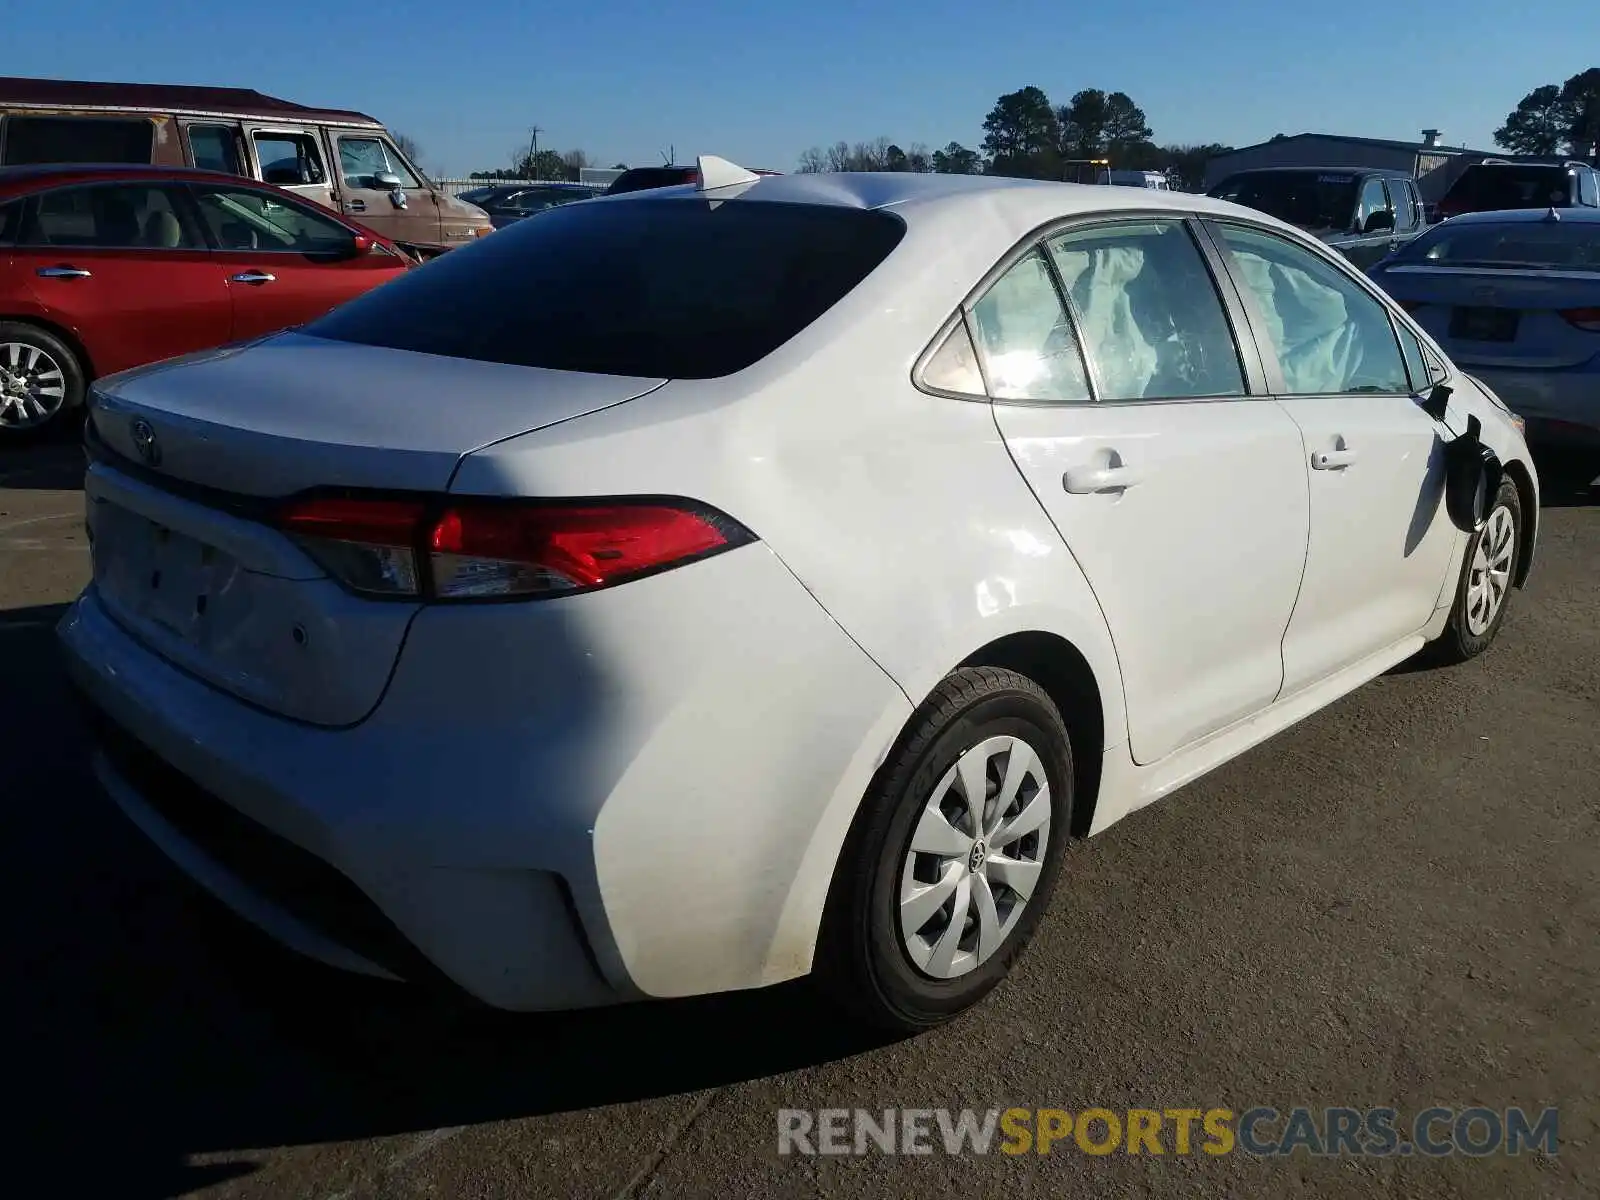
1487 188
649 287
1554 245
1309 199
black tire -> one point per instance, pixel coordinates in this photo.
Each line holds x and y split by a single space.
72 373
862 961
1458 643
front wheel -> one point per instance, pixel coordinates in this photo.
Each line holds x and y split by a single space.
954 854
1484 590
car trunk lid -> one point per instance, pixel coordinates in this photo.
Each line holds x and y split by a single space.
191 465
1500 318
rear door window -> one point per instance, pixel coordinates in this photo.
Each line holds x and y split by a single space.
1151 319
76 140
214 148
1405 210
653 288
112 216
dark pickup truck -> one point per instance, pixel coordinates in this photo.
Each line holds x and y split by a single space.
1366 214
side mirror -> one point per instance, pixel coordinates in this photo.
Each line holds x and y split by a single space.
361 244
386 179
1380 221
1472 477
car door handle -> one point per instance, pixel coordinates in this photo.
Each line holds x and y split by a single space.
1332 460
356 206
1082 481
62 272
254 277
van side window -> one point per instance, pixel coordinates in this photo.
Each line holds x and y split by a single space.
289 159
363 159
214 148
77 139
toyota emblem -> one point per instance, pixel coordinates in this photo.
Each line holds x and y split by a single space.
144 441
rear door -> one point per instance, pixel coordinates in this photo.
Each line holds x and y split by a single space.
1367 245
1407 210
1381 539
408 212
1174 480
285 262
291 157
125 267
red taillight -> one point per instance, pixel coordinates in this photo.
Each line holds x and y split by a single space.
468 549
1587 319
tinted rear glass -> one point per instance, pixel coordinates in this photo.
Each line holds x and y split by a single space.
650 287
642 178
77 140
1487 188
1309 199
1572 245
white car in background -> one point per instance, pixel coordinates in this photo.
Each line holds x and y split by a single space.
694 589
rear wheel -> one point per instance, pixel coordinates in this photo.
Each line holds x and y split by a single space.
953 856
1484 590
40 379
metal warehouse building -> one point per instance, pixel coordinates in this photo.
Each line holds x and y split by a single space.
1434 166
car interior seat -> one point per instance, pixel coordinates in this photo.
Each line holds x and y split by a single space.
161 230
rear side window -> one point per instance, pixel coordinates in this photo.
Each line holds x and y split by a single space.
658 288
1026 337
1405 212
77 140
1490 187
214 148
112 216
10 222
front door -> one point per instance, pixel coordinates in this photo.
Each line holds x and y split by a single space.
381 191
285 263
291 157
1381 539
1176 486
126 269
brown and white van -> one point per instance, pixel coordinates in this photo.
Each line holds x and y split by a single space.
344 160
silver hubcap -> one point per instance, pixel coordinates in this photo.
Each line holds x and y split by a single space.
33 386
1491 571
975 858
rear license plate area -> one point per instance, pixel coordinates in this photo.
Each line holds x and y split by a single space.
1485 324
156 574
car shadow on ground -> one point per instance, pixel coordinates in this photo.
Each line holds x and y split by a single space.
155 1027
51 461
1567 477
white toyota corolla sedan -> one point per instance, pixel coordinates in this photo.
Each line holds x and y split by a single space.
699 588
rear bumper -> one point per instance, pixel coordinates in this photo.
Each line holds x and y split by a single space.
538 811
1559 406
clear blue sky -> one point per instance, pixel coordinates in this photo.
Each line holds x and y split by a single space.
759 82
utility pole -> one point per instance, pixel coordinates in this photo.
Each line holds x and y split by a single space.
533 149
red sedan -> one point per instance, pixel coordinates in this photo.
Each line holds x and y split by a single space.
108 267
